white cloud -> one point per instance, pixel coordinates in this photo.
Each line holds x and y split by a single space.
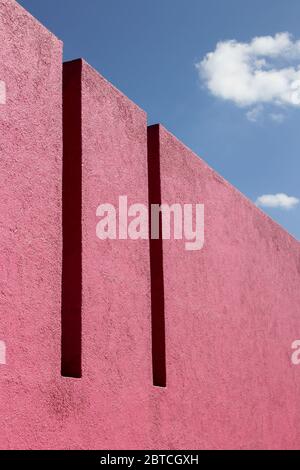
265 70
277 117
280 200
255 113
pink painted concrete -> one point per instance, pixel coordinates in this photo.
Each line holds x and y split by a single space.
116 294
232 311
30 207
116 352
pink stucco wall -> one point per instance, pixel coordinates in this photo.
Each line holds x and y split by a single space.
116 353
232 311
223 318
30 207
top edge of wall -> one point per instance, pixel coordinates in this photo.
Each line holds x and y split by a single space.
98 75
17 5
162 129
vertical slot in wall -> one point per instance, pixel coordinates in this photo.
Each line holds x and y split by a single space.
156 265
71 344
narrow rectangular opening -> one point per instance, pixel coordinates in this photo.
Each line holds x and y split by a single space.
72 229
156 265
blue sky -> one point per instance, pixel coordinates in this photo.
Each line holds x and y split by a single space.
149 49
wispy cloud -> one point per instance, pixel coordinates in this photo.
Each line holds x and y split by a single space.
279 118
255 113
281 200
259 114
264 71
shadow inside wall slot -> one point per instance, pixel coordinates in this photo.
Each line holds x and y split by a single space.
71 340
156 265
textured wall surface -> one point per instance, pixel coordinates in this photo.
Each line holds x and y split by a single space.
75 329
232 311
116 352
30 228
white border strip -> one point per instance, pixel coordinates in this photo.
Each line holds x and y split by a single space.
2 352
2 92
